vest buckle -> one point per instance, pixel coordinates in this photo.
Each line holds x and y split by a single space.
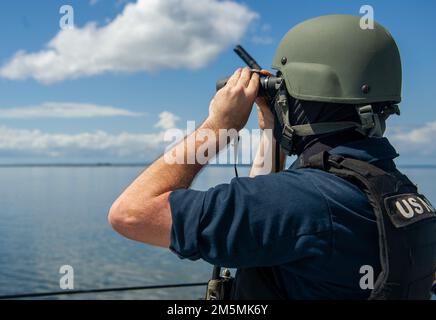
335 161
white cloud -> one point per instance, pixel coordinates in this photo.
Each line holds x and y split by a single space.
418 136
416 144
167 120
260 34
98 144
262 40
64 110
148 35
95 145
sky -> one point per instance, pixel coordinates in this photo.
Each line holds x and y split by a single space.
107 89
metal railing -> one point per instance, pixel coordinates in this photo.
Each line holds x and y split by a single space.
117 289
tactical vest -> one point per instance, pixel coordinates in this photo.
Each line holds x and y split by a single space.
406 224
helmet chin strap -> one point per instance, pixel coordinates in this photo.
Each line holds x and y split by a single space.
371 124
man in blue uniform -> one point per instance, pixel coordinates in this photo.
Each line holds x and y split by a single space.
305 232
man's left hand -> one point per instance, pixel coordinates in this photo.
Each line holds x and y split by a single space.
231 106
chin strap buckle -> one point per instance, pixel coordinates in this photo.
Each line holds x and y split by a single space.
371 123
366 115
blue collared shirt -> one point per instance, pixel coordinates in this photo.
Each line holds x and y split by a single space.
316 229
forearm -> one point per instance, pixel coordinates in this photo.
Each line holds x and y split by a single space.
174 170
264 162
142 211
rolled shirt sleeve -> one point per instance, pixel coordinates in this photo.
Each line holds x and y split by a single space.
261 221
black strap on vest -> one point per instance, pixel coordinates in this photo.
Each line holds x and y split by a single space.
406 223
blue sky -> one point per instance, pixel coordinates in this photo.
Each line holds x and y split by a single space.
106 90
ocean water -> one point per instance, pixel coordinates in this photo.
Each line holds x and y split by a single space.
54 216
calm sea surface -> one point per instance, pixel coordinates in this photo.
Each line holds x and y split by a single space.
54 216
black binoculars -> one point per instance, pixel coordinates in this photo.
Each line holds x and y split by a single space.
268 87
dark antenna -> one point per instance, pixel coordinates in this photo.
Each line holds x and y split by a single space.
245 56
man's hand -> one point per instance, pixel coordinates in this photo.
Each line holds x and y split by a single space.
231 106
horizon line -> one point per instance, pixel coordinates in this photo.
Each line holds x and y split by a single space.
102 164
146 164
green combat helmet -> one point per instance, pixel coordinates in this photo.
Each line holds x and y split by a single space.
332 59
